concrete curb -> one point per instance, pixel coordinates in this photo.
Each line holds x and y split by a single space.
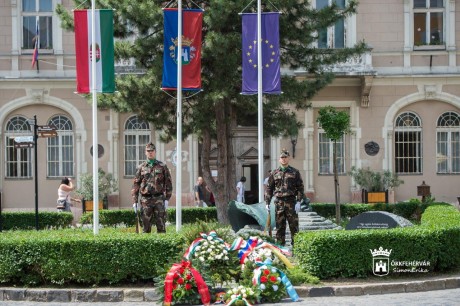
150 295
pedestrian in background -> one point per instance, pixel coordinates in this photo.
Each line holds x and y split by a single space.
285 183
153 187
64 199
240 190
199 195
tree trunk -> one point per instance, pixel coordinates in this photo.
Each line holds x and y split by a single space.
224 189
336 184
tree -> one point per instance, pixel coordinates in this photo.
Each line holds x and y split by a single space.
336 124
220 107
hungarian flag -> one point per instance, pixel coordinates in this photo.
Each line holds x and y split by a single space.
271 75
105 69
192 20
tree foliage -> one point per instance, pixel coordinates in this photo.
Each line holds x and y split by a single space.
220 107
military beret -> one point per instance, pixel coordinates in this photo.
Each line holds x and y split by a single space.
284 153
150 146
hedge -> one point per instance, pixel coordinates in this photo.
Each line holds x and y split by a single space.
340 253
26 220
128 217
77 256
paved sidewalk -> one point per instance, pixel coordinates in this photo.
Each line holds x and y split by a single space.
371 287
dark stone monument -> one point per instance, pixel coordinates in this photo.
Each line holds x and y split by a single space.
377 220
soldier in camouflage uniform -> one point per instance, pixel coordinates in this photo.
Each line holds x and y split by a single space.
153 187
286 185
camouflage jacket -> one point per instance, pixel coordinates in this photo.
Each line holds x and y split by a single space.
151 181
284 183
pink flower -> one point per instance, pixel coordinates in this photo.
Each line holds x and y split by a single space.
263 279
266 272
273 278
189 276
180 281
188 286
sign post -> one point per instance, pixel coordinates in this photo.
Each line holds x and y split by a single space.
36 172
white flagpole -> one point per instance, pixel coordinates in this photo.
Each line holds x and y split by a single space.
260 125
95 129
179 120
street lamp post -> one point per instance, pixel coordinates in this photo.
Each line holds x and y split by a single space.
294 143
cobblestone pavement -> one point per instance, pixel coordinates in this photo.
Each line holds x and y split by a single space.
365 292
448 297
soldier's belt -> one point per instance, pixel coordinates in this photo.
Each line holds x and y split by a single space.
150 196
286 198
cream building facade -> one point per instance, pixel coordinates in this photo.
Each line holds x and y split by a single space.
403 98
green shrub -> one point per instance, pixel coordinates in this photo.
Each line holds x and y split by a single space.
127 217
78 256
114 218
26 220
194 214
328 254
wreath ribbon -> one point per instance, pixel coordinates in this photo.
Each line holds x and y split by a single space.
245 247
204 237
267 264
200 283
239 298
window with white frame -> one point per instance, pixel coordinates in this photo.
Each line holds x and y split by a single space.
334 36
429 22
60 156
33 12
408 143
448 143
326 158
18 160
137 135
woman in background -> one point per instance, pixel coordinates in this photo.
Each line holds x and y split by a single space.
63 201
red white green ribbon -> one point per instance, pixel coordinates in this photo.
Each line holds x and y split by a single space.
212 235
200 283
239 298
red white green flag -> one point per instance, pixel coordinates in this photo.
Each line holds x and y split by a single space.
105 69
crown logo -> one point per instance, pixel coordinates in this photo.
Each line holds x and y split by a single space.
185 41
381 252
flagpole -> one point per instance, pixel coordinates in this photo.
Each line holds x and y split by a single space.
260 126
95 129
179 120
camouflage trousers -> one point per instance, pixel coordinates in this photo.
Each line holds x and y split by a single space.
285 211
154 210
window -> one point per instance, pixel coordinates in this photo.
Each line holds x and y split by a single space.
332 37
429 22
408 143
18 160
326 160
137 135
448 143
34 11
60 148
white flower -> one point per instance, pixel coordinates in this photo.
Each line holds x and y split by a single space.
273 270
278 278
198 248
275 288
233 296
262 287
205 243
226 257
224 251
201 258
245 295
209 238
